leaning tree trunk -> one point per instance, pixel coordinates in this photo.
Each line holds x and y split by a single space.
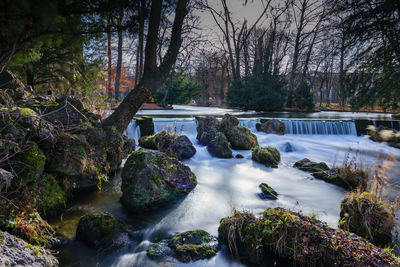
153 76
109 53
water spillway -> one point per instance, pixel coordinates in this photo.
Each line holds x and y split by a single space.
308 127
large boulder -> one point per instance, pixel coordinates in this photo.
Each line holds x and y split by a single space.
273 126
193 245
298 240
152 179
241 137
146 125
174 145
16 252
366 215
102 231
382 134
12 86
269 156
67 117
207 128
219 147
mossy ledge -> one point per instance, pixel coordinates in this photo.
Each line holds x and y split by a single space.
299 239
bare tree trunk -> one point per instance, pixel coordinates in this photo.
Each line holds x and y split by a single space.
119 60
153 76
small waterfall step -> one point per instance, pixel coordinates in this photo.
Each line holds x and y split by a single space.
310 127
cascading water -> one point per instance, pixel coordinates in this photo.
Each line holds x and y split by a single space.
227 184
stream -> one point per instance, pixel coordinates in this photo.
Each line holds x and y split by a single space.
228 184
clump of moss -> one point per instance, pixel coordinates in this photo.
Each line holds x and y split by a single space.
29 164
193 245
367 215
219 146
269 156
299 239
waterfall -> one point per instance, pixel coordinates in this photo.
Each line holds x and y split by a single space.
133 130
308 127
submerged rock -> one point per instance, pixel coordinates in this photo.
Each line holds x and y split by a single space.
152 179
239 156
267 192
301 240
193 245
207 128
368 216
174 145
219 147
241 138
16 252
273 126
102 231
269 156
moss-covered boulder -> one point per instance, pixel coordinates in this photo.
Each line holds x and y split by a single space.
172 144
16 252
46 196
269 156
219 147
207 128
228 122
152 179
368 216
159 250
241 137
301 240
193 245
273 126
29 164
267 192
102 231
383 134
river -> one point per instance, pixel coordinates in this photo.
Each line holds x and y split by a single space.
228 184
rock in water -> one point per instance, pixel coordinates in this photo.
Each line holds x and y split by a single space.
152 179
310 166
174 145
146 125
269 156
102 231
267 192
219 147
273 126
16 252
193 245
228 122
241 138
207 128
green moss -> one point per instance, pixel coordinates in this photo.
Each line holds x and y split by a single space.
78 149
148 142
268 191
30 164
24 111
193 245
241 138
269 156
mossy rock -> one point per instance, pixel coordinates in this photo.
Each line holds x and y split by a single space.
219 147
267 192
368 216
310 166
241 137
272 126
172 144
159 250
46 195
298 239
102 231
152 179
269 156
207 127
29 164
193 245
228 122
146 125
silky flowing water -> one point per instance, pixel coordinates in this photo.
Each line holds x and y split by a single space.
228 184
